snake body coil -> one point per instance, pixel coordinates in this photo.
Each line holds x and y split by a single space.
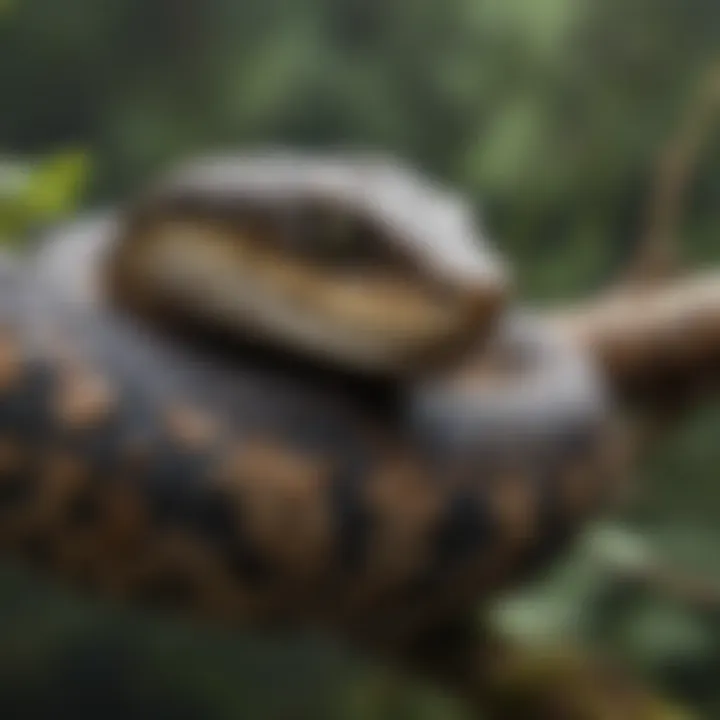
146 467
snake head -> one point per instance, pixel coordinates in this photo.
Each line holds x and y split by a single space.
353 259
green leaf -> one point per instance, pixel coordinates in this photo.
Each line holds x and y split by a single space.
57 184
37 192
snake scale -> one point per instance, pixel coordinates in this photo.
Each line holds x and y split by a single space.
350 480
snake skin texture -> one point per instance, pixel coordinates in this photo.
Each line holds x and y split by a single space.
148 470
358 261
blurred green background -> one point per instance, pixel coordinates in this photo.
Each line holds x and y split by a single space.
556 116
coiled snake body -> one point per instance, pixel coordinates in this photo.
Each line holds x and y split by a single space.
372 481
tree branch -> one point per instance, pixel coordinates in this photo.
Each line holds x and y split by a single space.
659 347
503 681
657 251
696 592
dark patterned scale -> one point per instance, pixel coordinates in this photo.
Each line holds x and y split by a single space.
242 487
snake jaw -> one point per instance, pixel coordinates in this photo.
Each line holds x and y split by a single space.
352 260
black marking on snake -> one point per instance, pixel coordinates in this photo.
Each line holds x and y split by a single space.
465 530
83 510
24 407
353 523
15 492
164 589
555 528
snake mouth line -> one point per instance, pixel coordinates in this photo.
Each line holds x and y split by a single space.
373 317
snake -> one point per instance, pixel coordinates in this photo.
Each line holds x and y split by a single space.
290 389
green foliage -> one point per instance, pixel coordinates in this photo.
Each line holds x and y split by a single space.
33 193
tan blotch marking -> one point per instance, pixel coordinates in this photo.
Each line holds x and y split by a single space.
191 428
62 478
214 593
123 520
514 505
405 505
283 497
102 549
11 362
84 399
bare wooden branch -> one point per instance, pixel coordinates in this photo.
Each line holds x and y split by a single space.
699 593
503 681
657 346
657 252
